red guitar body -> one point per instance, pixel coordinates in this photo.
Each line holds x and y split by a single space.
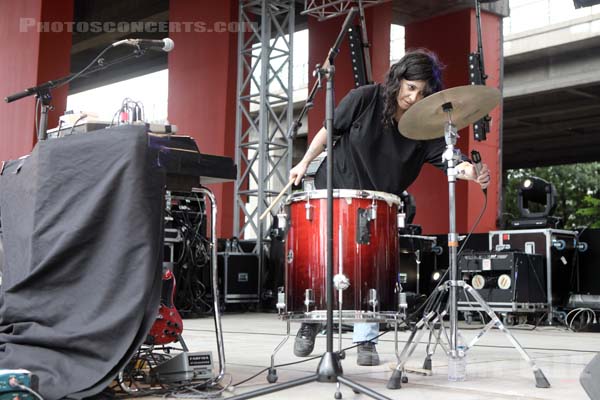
168 325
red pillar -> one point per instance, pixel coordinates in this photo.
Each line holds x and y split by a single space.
453 37
202 86
30 56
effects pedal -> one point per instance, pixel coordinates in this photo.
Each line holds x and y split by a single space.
11 379
185 367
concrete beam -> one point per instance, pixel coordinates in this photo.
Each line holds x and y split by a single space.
549 71
560 56
564 33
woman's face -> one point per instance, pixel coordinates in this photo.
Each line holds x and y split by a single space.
410 92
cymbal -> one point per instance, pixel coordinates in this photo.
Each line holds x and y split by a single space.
426 118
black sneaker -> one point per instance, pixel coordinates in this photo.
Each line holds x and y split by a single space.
305 339
367 355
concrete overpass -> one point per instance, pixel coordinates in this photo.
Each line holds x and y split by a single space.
552 94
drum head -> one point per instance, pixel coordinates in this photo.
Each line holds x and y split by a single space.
389 198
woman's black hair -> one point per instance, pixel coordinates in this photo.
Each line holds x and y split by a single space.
417 65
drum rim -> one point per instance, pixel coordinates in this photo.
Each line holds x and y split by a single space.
320 194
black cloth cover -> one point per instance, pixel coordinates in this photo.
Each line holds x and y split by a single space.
83 242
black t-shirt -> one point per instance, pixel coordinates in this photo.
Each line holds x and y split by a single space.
370 155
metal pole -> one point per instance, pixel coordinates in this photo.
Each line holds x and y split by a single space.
215 279
449 156
329 284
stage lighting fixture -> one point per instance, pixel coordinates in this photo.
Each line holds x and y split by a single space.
538 191
438 274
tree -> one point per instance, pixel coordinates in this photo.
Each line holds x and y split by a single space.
577 185
592 211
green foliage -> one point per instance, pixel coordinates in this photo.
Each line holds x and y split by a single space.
592 211
578 187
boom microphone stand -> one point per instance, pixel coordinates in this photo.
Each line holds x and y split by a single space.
330 368
43 91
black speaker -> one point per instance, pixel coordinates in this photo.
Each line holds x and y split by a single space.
239 277
504 277
589 378
558 258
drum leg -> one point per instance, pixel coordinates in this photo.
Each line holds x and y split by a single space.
338 393
272 375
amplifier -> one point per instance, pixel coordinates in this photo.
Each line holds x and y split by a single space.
239 277
507 281
557 248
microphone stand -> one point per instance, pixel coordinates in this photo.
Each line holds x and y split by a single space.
308 104
43 91
330 368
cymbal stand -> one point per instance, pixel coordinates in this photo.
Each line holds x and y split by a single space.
451 156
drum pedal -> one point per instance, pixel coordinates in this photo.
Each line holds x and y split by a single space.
418 371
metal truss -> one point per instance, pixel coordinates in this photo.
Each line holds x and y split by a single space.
263 152
326 9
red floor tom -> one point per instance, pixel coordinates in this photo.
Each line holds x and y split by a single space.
365 241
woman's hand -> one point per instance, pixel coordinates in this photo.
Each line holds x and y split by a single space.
297 173
484 176
466 170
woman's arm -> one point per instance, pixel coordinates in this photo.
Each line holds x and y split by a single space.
316 147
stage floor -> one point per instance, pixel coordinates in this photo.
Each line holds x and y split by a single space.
495 369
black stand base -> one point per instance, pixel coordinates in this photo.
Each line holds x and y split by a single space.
395 381
427 363
540 379
329 371
329 368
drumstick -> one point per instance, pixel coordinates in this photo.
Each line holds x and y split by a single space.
279 196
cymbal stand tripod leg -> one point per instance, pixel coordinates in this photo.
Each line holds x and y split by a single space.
540 378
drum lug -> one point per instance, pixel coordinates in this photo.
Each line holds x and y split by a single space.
309 211
373 211
280 300
309 299
401 220
402 301
282 221
373 302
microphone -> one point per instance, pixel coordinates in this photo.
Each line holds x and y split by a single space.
476 158
476 161
166 44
